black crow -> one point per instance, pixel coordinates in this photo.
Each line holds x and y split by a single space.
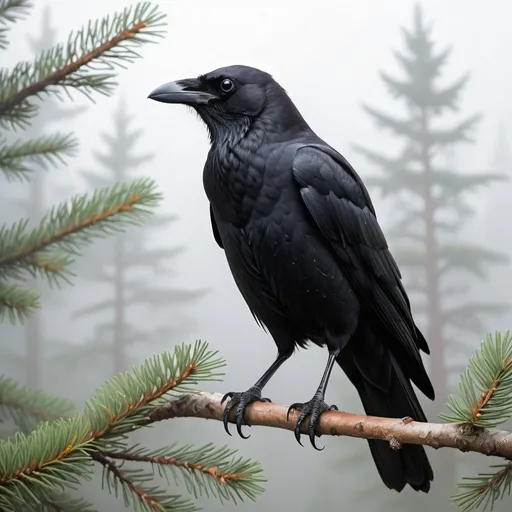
302 241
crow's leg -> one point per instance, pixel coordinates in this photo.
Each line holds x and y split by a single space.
253 394
316 406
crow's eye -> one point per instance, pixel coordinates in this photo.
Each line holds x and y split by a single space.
227 85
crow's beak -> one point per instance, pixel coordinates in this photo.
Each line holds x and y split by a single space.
186 92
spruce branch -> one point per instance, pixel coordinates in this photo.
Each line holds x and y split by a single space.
85 63
50 149
17 302
58 453
485 386
485 489
27 407
206 470
10 12
150 499
48 249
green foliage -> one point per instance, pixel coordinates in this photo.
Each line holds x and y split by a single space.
27 407
485 386
103 44
58 454
11 11
54 449
484 401
208 470
119 261
484 490
435 194
15 159
433 202
49 249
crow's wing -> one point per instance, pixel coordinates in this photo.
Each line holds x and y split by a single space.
341 207
215 229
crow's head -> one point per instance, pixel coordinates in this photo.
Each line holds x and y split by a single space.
232 96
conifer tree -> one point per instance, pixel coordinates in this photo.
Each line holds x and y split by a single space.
41 470
51 113
430 211
128 263
431 204
55 446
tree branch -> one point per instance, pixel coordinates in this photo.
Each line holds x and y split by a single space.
336 423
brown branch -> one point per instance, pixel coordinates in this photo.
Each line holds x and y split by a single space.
28 250
336 423
485 397
122 477
60 74
212 471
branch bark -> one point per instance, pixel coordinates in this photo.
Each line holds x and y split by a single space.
336 423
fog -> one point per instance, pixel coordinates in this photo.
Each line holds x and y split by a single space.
328 56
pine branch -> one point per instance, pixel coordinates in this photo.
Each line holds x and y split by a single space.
206 470
71 225
10 12
27 407
485 387
84 63
485 489
132 482
44 150
55 455
17 302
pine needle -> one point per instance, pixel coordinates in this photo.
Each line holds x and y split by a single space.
484 490
59 453
86 63
485 386
10 12
49 249
27 407
15 159
206 470
17 303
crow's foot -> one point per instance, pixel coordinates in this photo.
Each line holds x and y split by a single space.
314 409
241 401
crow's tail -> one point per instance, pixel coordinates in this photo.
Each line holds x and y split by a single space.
386 392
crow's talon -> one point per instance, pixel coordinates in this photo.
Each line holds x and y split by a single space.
314 409
240 401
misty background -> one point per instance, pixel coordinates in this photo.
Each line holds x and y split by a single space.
141 293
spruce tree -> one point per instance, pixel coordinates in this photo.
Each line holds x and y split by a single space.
55 447
431 208
51 113
129 265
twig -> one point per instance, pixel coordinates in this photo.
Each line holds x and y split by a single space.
212 471
112 467
59 74
336 423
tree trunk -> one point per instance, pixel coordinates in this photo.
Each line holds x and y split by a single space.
34 327
118 349
444 461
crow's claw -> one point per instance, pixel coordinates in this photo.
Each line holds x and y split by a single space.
314 409
241 401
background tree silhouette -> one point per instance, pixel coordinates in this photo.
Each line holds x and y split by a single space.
130 272
25 355
431 210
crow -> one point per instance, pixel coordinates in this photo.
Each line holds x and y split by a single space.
303 244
